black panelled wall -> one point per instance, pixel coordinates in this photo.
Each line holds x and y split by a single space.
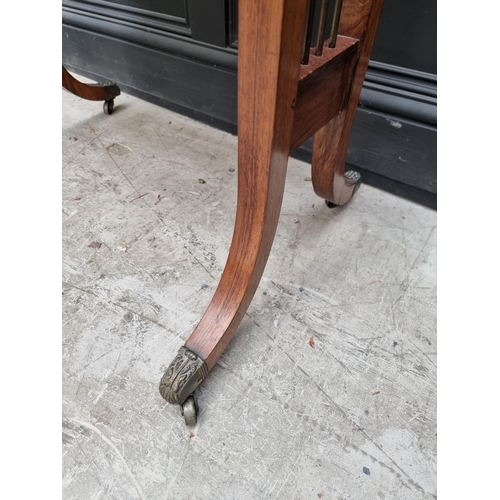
182 54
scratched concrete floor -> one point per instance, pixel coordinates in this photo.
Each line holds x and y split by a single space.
353 417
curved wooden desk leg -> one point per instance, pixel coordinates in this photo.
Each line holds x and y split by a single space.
270 44
358 20
92 92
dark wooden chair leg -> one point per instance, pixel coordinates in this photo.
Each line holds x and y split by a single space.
92 92
270 45
359 20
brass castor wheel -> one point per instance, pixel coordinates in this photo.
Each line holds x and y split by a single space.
189 410
108 107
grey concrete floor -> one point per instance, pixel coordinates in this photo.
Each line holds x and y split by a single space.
352 416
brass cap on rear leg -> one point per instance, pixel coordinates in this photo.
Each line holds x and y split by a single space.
186 372
353 177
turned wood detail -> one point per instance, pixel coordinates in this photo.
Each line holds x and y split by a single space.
282 103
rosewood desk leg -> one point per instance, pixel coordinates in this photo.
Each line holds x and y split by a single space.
270 45
359 20
92 92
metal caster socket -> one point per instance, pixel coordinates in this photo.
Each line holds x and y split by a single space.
352 178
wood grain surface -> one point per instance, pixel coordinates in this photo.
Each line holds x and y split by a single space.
270 45
320 92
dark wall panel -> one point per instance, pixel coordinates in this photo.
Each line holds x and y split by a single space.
171 7
207 20
407 35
